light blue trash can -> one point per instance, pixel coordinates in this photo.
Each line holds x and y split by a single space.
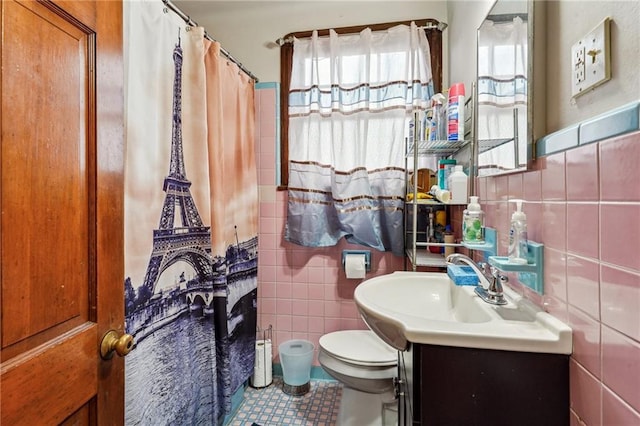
296 357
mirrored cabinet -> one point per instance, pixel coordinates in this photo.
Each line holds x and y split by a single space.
510 67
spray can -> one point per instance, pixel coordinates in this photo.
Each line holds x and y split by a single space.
455 113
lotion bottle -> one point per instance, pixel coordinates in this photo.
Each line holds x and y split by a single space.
518 248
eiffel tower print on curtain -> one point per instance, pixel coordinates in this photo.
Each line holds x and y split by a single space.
189 240
180 237
170 376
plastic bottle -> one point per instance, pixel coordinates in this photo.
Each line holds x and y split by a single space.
445 167
441 195
442 122
518 249
473 222
426 127
438 118
455 113
458 185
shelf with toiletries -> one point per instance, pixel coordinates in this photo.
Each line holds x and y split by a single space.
421 254
427 196
425 224
431 202
445 148
422 234
438 148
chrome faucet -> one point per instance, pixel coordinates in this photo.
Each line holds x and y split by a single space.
490 288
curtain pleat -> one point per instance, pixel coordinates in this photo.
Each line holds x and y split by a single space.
234 217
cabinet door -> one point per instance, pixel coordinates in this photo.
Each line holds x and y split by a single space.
464 386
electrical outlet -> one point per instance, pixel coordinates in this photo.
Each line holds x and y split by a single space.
578 54
579 74
591 59
578 63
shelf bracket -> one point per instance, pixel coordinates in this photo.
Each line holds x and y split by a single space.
531 274
490 245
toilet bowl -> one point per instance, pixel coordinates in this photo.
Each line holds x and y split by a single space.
359 359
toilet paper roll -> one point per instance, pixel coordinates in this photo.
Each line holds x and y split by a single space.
262 373
355 265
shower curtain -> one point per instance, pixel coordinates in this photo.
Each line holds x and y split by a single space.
190 222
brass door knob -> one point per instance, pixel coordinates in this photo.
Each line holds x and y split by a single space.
112 343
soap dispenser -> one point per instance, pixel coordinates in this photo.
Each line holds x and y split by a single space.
518 247
473 222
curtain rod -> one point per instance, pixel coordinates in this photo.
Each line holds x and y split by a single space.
186 18
430 24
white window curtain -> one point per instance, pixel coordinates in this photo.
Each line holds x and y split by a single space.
349 99
502 89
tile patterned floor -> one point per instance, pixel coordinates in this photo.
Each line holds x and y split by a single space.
270 406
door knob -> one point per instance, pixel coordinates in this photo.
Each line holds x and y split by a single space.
112 343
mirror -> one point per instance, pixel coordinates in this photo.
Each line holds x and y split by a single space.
504 99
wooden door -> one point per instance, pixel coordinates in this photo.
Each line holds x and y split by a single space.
62 211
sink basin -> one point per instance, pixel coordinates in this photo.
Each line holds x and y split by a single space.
428 308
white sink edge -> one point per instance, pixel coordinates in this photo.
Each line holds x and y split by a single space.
544 334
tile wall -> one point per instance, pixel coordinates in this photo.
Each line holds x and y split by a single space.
582 204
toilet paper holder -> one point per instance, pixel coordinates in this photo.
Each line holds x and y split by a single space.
367 257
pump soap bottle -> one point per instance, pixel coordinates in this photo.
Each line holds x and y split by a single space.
518 248
473 222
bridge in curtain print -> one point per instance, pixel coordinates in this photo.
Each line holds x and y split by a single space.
182 237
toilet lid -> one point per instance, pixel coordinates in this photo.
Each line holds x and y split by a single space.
359 347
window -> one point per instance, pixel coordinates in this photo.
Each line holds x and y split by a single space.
434 36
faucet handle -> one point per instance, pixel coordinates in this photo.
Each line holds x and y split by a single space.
496 286
495 273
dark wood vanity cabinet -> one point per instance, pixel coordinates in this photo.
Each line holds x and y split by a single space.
474 387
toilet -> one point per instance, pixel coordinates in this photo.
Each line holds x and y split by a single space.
359 359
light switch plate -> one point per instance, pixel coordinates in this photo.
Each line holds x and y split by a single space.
591 59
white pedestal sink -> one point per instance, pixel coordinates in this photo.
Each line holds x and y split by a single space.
428 308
